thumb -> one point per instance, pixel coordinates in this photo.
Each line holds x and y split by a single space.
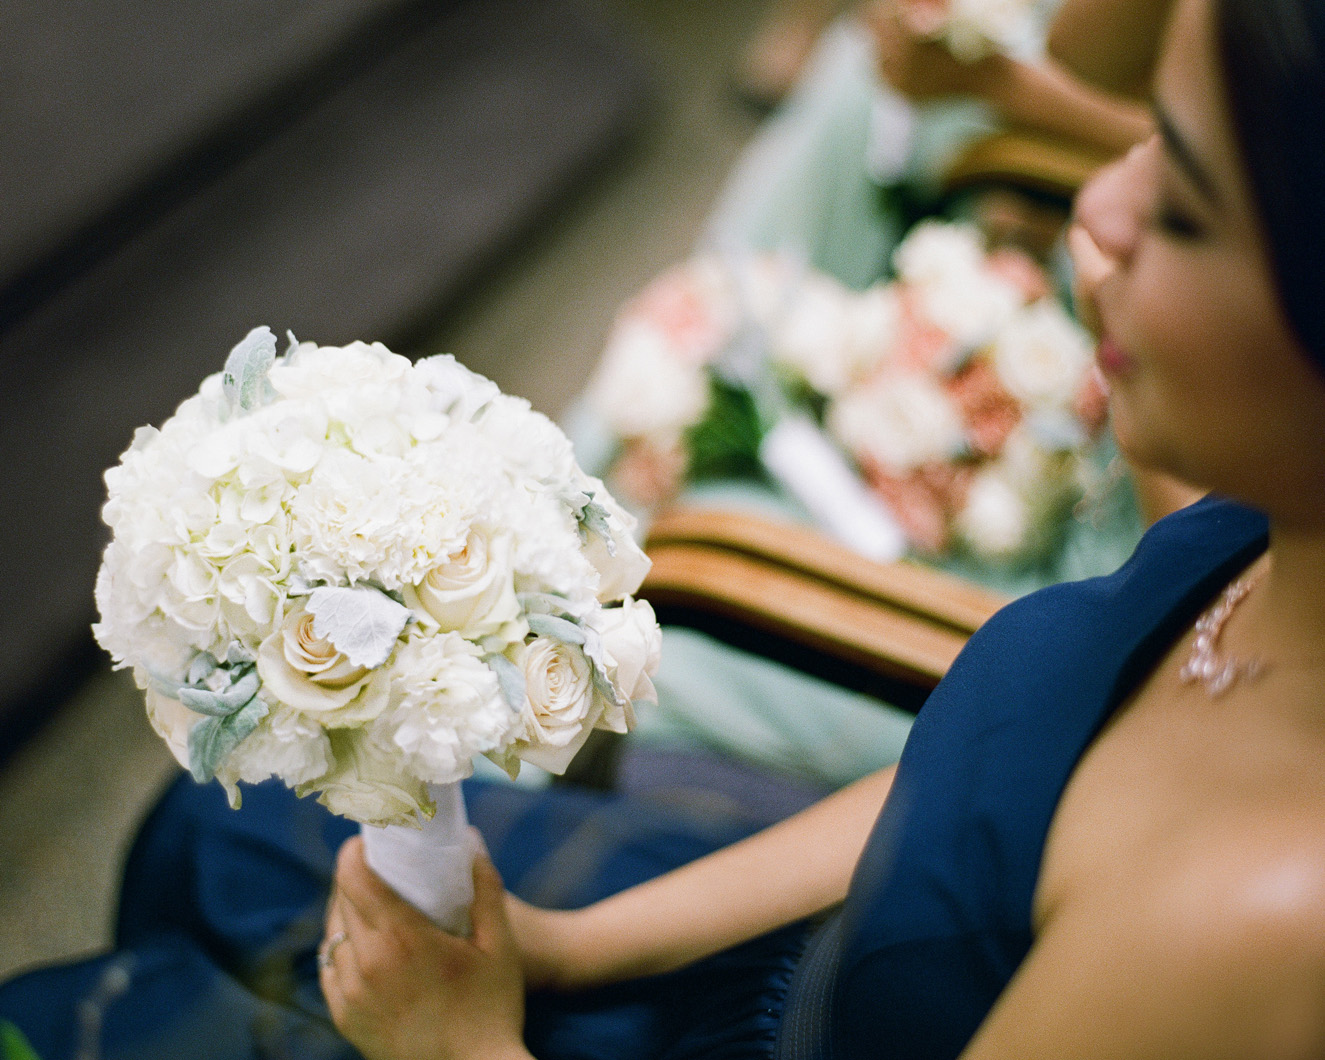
491 929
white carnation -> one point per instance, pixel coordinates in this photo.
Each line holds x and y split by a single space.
387 520
446 707
287 745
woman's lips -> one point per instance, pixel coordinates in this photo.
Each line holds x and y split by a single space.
1113 362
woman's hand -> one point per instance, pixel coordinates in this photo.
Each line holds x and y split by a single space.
400 988
914 63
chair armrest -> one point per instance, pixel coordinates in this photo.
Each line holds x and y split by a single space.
786 592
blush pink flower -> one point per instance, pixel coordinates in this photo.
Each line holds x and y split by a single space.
988 411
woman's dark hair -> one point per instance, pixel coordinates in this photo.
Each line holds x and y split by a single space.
1273 58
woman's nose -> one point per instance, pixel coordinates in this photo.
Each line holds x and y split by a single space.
1113 205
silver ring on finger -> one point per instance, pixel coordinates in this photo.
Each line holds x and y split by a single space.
327 951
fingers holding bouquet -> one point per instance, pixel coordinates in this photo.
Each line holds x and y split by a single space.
399 988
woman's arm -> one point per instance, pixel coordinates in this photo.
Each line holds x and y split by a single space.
1111 44
1045 96
792 870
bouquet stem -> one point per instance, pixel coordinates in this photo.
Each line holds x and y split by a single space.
432 866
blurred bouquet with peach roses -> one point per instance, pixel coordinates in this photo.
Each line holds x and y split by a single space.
357 574
960 390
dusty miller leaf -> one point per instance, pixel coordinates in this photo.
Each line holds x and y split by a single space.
244 380
213 739
510 678
222 704
543 603
561 629
361 622
593 518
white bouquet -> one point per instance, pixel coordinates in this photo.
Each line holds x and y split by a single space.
356 574
972 29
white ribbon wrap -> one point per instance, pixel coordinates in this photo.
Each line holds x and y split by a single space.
431 867
805 463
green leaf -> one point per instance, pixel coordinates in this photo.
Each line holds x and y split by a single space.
725 443
593 519
543 603
362 622
510 678
213 739
222 704
200 668
15 1043
562 629
244 380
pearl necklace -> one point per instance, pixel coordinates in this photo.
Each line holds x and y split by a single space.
1216 671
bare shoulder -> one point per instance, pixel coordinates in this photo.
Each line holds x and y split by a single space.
1217 954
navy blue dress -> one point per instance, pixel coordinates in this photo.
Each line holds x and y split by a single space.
221 911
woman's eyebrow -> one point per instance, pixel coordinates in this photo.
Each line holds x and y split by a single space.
1181 153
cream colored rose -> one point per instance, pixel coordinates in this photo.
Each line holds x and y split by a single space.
632 643
619 560
642 389
560 706
367 785
899 421
473 592
1043 356
306 672
996 521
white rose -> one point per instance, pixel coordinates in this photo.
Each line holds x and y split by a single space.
302 670
621 564
446 708
456 391
900 420
813 336
1042 356
996 521
561 707
367 785
938 252
641 389
172 721
873 328
976 27
473 592
632 643
971 307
